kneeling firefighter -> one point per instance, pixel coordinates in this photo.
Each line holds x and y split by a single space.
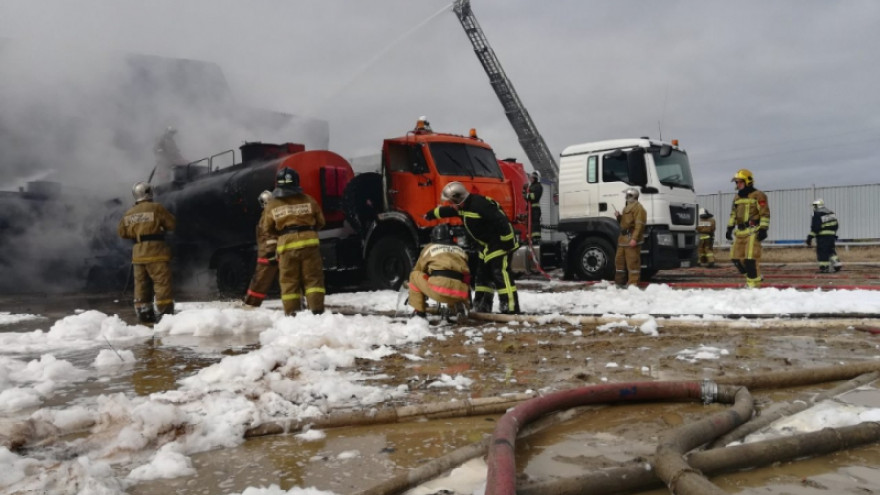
146 223
489 227
267 264
440 273
295 218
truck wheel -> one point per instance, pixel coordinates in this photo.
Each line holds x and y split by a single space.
593 260
389 263
233 275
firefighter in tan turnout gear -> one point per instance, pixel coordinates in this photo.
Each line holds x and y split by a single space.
146 224
267 264
295 218
747 227
628 261
706 231
440 273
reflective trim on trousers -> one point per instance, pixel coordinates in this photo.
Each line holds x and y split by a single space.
289 297
298 244
256 294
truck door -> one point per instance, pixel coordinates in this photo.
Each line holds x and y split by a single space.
410 186
615 178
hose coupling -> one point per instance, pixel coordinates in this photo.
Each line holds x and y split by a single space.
708 391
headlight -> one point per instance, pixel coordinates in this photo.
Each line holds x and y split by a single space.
665 240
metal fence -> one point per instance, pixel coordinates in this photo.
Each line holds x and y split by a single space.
857 209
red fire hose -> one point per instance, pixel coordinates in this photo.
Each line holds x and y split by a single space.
501 477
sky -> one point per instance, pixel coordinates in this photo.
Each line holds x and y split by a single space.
786 89
303 367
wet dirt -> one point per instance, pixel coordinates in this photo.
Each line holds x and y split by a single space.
513 358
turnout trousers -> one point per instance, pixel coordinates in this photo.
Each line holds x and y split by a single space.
494 274
628 261
705 251
261 282
826 252
301 272
420 285
745 253
152 280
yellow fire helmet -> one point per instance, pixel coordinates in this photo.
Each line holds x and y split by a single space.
745 175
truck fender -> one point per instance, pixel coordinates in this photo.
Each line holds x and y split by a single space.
391 220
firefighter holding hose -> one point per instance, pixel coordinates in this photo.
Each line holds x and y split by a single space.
267 263
295 218
532 193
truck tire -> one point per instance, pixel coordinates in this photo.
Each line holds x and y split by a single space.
593 260
389 263
233 275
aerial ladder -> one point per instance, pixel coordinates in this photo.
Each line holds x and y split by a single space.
531 141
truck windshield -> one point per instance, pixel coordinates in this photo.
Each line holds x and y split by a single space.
461 159
674 170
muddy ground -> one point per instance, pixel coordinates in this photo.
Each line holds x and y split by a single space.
515 357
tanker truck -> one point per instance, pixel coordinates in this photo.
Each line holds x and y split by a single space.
374 225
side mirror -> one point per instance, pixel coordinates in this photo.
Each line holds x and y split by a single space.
638 171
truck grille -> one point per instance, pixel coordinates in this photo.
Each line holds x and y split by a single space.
683 214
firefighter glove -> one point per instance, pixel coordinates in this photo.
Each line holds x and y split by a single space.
429 215
809 241
729 234
762 234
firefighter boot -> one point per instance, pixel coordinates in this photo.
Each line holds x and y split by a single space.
835 263
145 314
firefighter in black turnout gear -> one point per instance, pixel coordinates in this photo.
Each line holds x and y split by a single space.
532 193
824 228
486 224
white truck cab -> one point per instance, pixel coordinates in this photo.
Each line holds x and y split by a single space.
592 180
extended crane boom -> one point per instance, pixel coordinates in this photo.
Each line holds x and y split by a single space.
529 138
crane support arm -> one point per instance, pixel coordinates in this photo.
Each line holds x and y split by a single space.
531 141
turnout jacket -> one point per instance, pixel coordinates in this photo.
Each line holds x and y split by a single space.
824 222
146 224
484 221
436 261
533 193
749 210
267 242
295 220
632 223
706 227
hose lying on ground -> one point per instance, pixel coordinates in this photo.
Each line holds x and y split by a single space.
789 409
466 407
501 477
639 476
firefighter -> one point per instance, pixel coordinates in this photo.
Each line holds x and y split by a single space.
440 273
295 218
632 234
747 227
146 223
706 230
533 192
267 263
489 227
824 228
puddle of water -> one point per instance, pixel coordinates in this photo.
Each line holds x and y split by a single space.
344 461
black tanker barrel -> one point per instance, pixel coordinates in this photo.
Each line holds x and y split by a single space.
219 209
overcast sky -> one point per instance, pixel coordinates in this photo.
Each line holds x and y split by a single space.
788 89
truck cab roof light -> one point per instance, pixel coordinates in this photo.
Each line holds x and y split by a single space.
675 142
473 134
